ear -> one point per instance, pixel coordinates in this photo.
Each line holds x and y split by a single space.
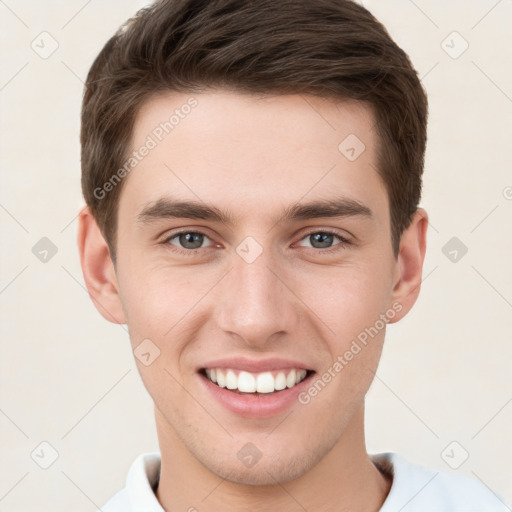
98 268
409 264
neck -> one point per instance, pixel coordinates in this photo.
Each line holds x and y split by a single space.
345 479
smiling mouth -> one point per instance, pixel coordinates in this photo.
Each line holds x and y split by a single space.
249 383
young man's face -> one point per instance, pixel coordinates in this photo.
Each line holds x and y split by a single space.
261 291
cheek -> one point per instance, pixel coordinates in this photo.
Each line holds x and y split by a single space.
159 306
347 300
155 299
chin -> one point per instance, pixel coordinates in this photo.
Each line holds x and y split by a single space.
276 470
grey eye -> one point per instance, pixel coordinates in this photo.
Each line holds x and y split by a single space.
322 239
188 240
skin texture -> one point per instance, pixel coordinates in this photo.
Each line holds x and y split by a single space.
253 157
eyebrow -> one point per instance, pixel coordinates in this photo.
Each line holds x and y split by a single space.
170 208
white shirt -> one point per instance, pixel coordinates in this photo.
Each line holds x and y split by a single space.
414 489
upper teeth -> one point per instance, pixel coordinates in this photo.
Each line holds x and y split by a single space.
266 382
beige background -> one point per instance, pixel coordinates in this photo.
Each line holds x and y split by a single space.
68 377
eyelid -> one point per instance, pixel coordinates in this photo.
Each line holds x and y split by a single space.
342 234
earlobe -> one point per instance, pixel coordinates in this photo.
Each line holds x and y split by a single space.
98 268
409 263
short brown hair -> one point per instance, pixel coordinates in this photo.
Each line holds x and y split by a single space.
329 48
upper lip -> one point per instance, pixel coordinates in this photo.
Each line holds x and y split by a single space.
254 365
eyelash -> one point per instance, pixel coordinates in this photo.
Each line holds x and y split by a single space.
194 252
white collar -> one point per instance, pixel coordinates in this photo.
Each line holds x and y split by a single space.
414 488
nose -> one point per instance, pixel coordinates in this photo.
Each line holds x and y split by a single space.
256 303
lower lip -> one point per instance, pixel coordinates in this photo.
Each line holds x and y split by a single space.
256 406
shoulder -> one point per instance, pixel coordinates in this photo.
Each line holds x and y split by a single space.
118 503
419 489
138 493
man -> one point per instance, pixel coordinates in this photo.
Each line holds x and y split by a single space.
252 171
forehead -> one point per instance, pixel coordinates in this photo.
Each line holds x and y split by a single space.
244 151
